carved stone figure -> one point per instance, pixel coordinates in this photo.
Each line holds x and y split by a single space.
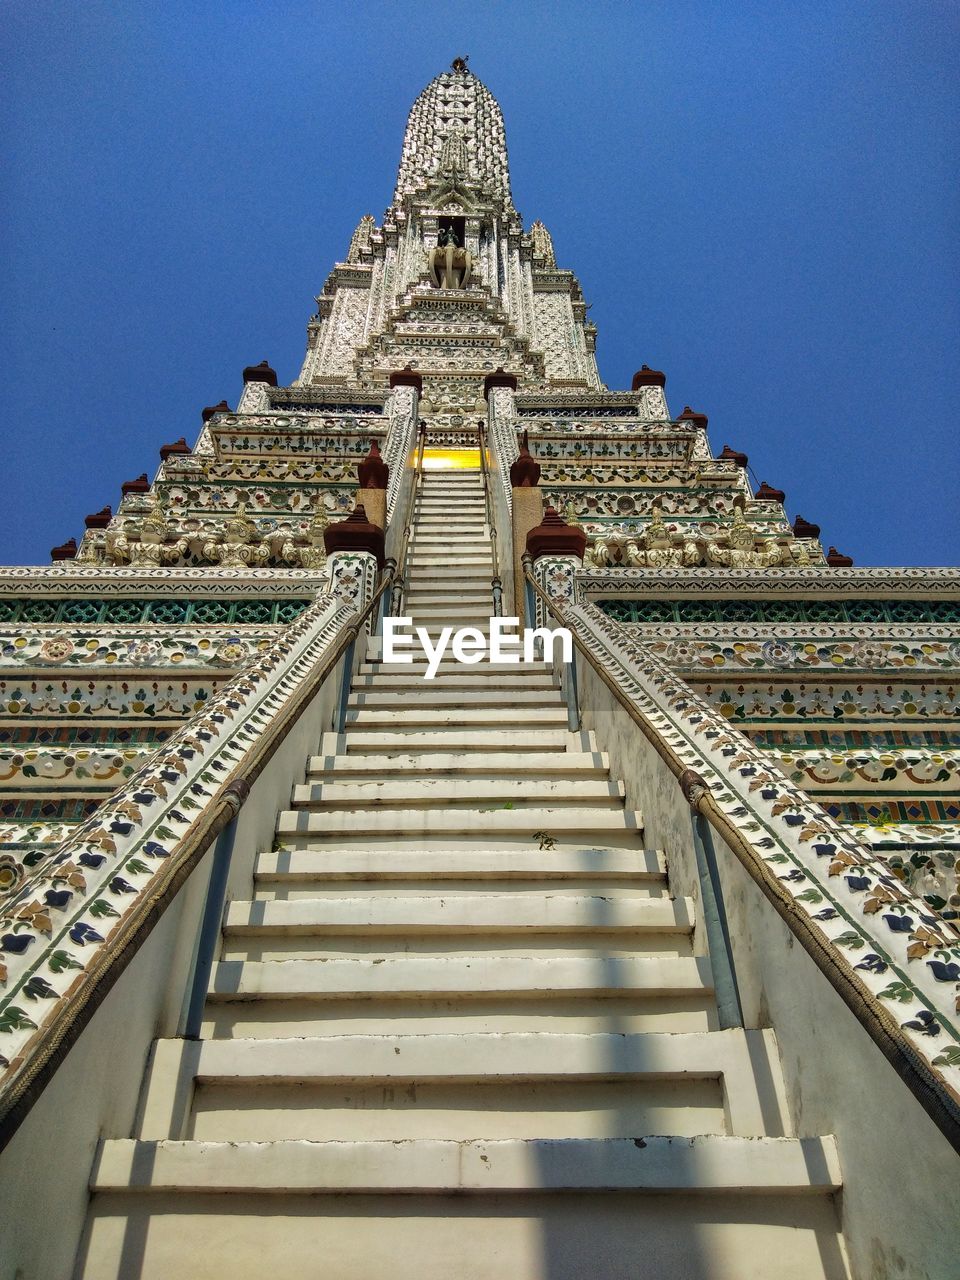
312 555
453 153
239 546
155 546
450 264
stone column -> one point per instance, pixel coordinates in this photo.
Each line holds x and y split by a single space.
354 558
257 381
653 402
373 475
352 577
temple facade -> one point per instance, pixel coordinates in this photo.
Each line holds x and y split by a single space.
639 960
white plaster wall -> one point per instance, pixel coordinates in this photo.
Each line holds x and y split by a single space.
45 1168
900 1207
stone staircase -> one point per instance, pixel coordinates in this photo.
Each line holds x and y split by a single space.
462 1029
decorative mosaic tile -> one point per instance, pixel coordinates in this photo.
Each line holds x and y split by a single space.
778 611
128 648
69 903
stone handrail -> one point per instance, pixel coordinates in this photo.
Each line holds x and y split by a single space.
503 436
399 441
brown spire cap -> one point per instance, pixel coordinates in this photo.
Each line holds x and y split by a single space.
767 493
838 561
647 377
697 420
732 455
373 472
498 379
525 470
100 519
407 377
260 373
140 485
804 529
212 410
66 551
554 537
178 446
356 533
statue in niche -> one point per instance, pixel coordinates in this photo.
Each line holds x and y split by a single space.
450 263
239 546
453 153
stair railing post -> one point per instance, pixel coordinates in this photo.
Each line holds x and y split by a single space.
573 692
212 920
346 679
726 991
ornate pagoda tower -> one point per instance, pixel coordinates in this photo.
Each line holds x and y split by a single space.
640 961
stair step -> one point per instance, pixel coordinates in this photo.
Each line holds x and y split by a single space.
448 665
424 584
426 563
431 977
446 866
525 822
443 573
451 613
434 539
425 792
469 506
661 1164
460 913
533 765
498 1057
416 597
498 1060
468 511
396 741
413 717
393 677
430 695
449 525
443 534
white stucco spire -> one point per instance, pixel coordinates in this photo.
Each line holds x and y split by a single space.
455 122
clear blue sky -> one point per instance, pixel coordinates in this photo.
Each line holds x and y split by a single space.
759 198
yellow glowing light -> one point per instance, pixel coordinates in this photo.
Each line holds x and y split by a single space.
451 459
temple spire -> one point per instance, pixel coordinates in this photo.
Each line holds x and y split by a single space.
457 114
